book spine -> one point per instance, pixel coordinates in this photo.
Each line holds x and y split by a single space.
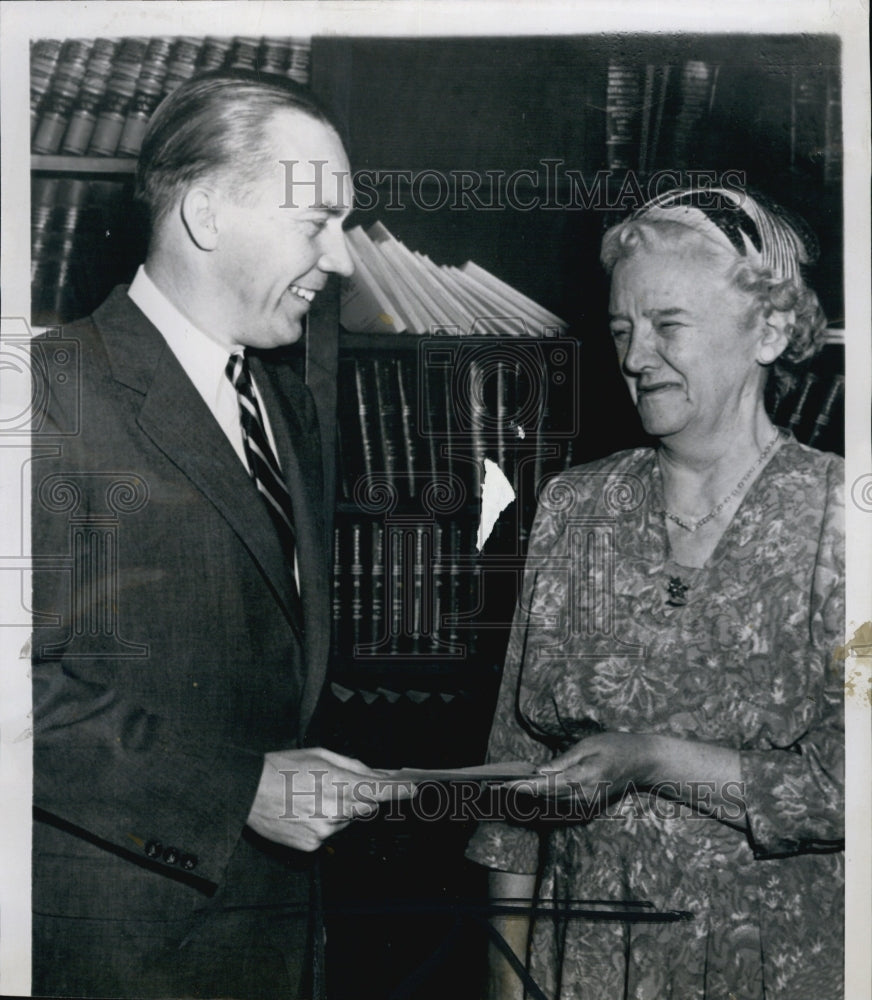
420 615
432 413
148 94
377 577
833 129
363 414
663 78
275 55
112 115
337 588
44 53
55 238
448 423
125 62
189 56
646 112
83 119
398 593
343 459
357 631
698 82
796 416
212 55
57 106
501 399
824 420
455 601
438 599
384 379
408 424
349 427
623 105
477 428
299 63
244 53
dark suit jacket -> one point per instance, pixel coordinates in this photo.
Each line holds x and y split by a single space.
165 664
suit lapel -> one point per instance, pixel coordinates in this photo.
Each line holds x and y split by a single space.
294 427
177 420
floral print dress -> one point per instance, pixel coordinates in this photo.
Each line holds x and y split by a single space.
747 662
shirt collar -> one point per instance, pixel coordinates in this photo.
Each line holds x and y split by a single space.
201 357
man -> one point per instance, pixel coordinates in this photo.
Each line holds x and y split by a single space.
181 590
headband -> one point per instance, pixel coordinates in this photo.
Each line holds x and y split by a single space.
764 235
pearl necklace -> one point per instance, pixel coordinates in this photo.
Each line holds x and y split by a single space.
692 526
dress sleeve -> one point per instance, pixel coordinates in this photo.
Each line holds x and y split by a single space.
506 843
795 793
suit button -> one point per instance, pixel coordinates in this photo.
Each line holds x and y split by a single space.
153 849
188 861
171 855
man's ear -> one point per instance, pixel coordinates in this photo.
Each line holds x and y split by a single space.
199 213
775 331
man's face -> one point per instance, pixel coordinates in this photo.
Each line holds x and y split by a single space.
280 238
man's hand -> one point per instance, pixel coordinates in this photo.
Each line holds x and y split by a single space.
305 796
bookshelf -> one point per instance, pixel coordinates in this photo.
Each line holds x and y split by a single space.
541 141
74 166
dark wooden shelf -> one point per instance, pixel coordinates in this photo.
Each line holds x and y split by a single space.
113 166
412 341
407 672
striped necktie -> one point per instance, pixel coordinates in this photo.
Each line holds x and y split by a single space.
263 465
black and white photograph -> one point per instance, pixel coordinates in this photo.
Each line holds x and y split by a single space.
437 514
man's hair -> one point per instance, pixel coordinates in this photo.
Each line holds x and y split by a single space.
215 125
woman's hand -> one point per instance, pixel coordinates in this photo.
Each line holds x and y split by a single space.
602 767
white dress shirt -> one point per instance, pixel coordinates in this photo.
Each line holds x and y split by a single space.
202 358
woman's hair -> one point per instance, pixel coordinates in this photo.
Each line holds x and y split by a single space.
215 125
763 247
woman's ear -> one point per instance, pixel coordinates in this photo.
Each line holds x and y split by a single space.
775 332
199 211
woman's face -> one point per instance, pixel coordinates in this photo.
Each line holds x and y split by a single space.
681 334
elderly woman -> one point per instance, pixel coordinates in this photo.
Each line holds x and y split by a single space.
673 646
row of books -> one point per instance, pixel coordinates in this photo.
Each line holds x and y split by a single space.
407 591
82 243
636 99
654 114
414 422
412 419
816 106
94 97
398 290
814 407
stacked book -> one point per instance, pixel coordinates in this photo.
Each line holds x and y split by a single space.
813 407
414 421
405 591
81 245
398 290
698 86
623 115
636 99
94 97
